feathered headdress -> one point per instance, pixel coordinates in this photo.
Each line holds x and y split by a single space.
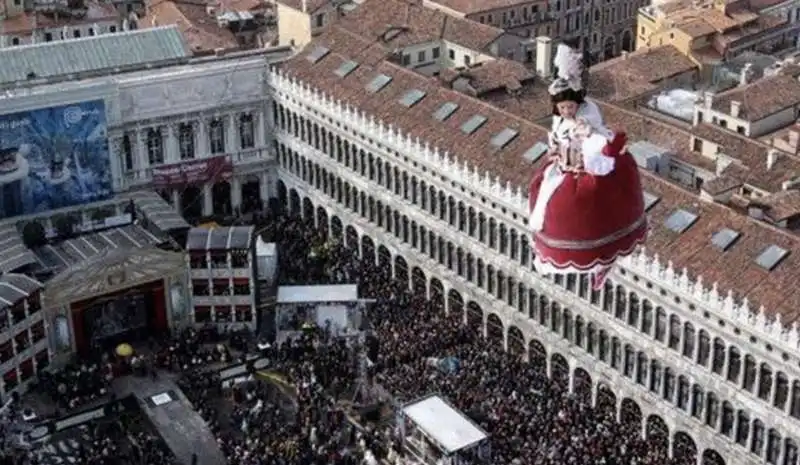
569 75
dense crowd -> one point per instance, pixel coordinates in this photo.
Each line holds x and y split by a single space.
531 418
78 384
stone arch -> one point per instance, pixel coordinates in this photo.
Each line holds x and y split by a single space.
608 47
712 457
475 317
606 401
336 229
322 221
368 249
537 356
630 417
351 237
559 370
308 209
627 41
516 341
294 203
401 269
384 260
456 306
282 193
657 433
684 448
494 330
437 294
418 282
582 385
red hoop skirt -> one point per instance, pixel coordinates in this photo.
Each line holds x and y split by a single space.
591 221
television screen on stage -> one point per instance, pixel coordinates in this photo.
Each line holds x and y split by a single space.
114 317
53 157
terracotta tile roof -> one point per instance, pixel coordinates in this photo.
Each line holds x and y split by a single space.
311 6
471 7
638 73
752 155
734 269
781 206
721 184
24 23
200 29
400 23
761 98
496 75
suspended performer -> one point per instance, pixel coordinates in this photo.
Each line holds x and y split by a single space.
586 204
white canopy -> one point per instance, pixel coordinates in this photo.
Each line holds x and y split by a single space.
310 294
445 425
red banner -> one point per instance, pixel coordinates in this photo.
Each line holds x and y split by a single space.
193 172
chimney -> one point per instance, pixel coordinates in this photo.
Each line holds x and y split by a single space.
708 99
544 56
746 75
624 54
736 107
304 7
772 158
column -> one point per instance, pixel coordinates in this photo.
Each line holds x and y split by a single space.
172 152
231 134
140 158
236 193
201 144
261 135
176 200
208 200
264 186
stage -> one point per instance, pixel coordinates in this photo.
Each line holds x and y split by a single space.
120 295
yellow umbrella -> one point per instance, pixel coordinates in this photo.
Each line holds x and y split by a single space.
124 350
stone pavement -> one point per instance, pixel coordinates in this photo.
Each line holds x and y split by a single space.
182 428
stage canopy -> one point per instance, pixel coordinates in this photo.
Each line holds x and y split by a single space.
440 421
158 212
13 253
310 294
113 270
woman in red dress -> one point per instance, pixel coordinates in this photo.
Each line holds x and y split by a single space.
586 205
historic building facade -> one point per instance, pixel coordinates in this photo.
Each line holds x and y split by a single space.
680 359
195 133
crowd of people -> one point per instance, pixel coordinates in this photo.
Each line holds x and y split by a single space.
530 418
78 384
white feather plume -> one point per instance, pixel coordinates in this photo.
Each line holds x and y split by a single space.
570 66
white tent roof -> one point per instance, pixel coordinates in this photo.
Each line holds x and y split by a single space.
442 423
307 294
265 249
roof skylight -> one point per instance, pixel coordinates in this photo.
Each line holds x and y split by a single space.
473 124
680 221
724 238
503 138
771 257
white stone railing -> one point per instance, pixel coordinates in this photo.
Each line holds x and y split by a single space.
740 314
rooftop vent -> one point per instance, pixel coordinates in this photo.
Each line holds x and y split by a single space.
650 200
412 97
503 138
346 68
317 54
473 124
771 257
724 238
378 83
536 152
680 221
445 111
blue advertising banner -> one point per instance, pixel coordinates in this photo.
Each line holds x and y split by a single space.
53 158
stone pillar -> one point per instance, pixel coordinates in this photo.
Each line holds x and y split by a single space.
201 144
176 200
208 200
236 193
140 158
261 122
231 133
172 152
264 186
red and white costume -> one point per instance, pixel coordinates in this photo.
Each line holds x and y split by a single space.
586 205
